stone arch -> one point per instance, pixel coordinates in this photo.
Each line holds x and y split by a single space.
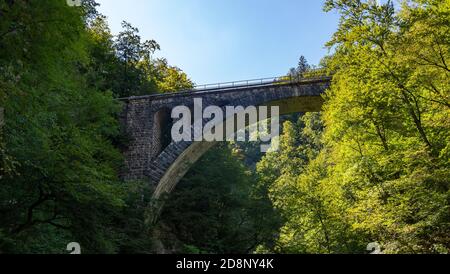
176 160
145 155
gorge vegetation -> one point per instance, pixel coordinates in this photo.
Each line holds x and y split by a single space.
374 166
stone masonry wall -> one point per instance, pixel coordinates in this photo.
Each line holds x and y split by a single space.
144 158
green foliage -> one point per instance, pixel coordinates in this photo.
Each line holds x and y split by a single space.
373 167
213 213
169 78
379 171
387 116
57 134
60 70
296 177
124 64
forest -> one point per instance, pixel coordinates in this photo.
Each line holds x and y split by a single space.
372 167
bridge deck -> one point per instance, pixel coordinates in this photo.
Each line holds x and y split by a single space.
236 86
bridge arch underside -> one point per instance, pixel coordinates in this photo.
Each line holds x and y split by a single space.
176 160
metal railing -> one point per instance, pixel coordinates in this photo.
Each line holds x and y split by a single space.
311 75
289 79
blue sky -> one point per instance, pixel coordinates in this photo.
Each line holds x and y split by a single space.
226 40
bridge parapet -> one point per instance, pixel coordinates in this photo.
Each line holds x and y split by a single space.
149 156
315 74
312 76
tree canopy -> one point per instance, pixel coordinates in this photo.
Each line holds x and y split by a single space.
373 166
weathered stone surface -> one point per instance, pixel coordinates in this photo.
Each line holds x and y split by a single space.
144 119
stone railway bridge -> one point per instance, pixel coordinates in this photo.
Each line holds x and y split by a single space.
152 156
